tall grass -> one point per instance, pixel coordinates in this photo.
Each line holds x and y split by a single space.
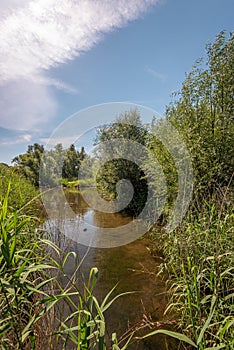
31 290
85 325
21 265
199 262
22 192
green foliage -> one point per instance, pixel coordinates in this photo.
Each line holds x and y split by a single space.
69 184
76 183
128 127
199 262
160 167
21 277
85 327
203 114
29 296
199 256
28 163
72 162
60 163
22 191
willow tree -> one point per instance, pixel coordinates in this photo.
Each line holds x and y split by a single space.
122 163
203 113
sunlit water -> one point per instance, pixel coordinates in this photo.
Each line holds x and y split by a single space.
132 267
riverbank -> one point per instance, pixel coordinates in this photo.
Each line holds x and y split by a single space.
74 184
198 265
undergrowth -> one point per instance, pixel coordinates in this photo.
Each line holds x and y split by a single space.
31 290
199 265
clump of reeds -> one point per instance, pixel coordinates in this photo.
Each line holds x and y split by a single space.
30 291
199 262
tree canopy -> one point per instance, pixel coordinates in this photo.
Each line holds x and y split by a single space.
203 113
57 158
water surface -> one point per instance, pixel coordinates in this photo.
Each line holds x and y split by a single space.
131 267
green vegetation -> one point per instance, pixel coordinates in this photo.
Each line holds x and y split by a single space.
21 269
127 127
28 164
59 164
203 114
198 255
85 327
76 183
199 268
31 267
22 191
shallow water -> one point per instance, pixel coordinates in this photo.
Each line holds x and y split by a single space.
132 267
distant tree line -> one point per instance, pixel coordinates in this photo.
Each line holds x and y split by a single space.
69 160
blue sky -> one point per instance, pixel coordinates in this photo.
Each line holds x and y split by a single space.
58 57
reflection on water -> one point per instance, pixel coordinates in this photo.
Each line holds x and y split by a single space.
93 228
131 266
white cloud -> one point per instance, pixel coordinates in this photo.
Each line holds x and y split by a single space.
38 35
46 33
26 138
24 105
8 6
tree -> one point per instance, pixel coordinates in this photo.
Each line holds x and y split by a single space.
120 162
72 162
60 163
28 163
203 114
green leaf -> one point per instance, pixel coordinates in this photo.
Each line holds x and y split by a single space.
221 346
207 323
176 335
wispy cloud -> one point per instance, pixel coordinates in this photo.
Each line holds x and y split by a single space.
25 105
16 141
42 34
52 142
8 6
14 137
46 33
160 76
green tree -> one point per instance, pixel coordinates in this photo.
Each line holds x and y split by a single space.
127 127
28 163
60 163
72 161
203 114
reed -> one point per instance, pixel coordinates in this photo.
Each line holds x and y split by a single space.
199 265
31 291
21 271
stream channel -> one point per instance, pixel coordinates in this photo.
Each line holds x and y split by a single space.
132 267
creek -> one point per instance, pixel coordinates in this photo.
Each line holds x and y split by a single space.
131 267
